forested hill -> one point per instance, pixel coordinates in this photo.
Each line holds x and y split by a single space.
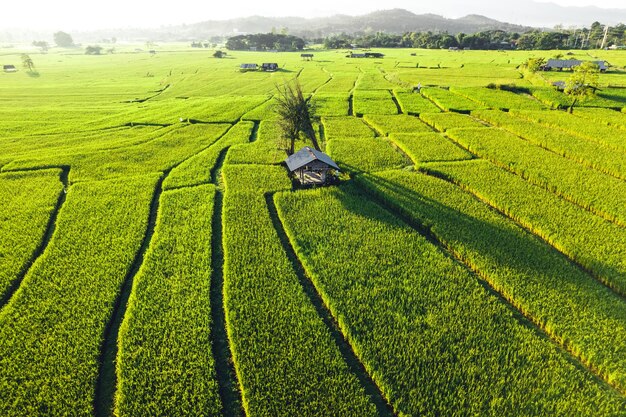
389 21
396 21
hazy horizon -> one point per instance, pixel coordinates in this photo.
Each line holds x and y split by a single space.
73 15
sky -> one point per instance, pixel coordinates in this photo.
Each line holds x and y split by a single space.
83 15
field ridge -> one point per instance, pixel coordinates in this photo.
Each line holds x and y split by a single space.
106 382
543 184
45 240
425 231
347 352
437 174
228 383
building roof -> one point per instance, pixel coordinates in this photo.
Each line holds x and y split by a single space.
563 63
367 55
570 63
307 155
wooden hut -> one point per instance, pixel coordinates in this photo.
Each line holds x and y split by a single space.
269 66
248 67
311 167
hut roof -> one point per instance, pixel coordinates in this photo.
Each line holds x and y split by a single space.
307 155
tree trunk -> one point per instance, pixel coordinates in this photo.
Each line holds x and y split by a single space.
571 107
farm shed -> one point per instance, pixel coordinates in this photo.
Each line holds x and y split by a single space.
311 166
307 57
367 55
269 66
9 68
248 67
561 64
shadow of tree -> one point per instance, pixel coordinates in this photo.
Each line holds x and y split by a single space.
579 313
544 292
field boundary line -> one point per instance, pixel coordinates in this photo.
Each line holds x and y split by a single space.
330 78
143 100
99 129
351 92
354 364
435 103
377 133
91 152
45 239
566 154
107 379
596 212
229 387
270 97
483 279
434 173
410 162
254 134
394 98
351 104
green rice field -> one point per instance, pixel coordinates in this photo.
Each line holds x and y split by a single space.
156 259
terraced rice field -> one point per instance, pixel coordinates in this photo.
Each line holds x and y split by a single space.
156 259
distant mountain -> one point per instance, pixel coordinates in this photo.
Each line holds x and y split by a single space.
522 14
542 14
390 21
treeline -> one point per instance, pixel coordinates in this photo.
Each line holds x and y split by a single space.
559 38
265 42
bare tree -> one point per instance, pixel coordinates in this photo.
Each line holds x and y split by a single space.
296 114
